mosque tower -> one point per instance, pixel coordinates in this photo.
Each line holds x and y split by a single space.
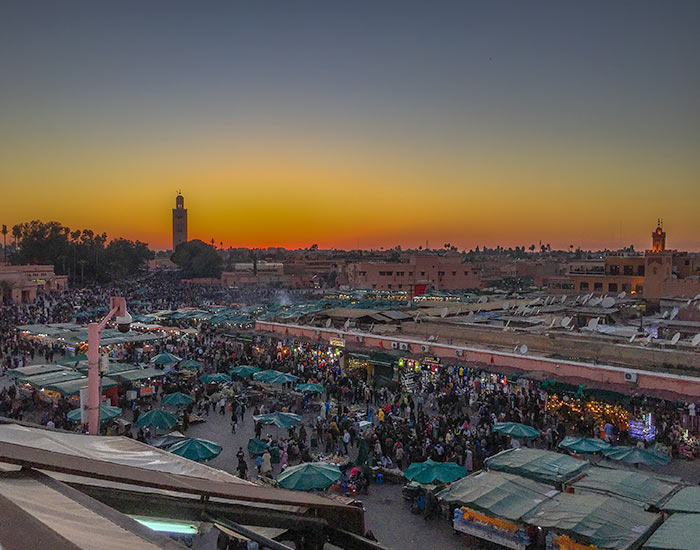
658 238
179 221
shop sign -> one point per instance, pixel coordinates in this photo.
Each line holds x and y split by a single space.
337 342
146 391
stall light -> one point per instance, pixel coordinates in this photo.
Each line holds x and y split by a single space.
168 526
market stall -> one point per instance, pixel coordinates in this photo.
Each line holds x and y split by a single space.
537 464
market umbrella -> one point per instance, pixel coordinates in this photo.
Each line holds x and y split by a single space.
165 358
633 455
429 471
107 412
583 444
308 476
160 420
199 450
514 429
279 419
314 388
274 377
190 364
244 371
178 399
257 446
218 378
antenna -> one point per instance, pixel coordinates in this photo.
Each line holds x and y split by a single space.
563 298
554 320
675 338
673 314
633 338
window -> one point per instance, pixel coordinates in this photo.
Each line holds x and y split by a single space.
454 273
389 287
410 273
422 273
441 273
597 287
374 286
639 289
583 286
640 270
612 287
614 270
626 287
389 273
466 273
400 286
628 270
400 273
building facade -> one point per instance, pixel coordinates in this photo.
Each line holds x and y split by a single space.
179 221
420 271
20 284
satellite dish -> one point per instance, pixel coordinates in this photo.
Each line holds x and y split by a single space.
515 349
696 340
622 295
633 338
444 312
675 338
563 298
328 322
593 323
608 302
585 299
346 326
697 297
565 322
665 314
506 305
673 314
523 349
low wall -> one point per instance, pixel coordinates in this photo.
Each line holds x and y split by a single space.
664 384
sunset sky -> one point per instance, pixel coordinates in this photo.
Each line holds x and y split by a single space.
365 124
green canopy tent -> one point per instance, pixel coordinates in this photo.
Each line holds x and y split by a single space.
216 378
430 471
583 445
36 370
514 429
309 476
540 465
257 446
199 450
633 455
73 387
72 359
107 412
177 399
679 532
190 364
310 387
605 522
134 375
155 418
685 500
637 486
244 371
165 358
274 377
496 493
280 419
42 380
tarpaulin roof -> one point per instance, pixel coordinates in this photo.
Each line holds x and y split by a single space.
636 486
606 522
685 500
137 374
35 370
73 387
42 380
537 464
678 532
497 493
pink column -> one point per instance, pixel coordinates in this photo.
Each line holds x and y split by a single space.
93 405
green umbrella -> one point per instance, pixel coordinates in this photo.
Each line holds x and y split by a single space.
165 358
279 419
274 377
430 471
216 378
583 444
633 455
160 420
308 476
107 412
257 446
514 429
315 388
177 398
190 364
199 450
244 371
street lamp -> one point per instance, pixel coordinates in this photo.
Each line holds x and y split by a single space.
117 307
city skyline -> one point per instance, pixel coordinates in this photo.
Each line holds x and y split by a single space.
469 124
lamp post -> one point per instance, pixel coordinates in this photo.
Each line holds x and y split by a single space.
117 306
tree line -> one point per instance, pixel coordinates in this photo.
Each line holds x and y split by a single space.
82 254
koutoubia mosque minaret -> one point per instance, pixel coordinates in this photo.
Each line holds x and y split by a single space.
179 221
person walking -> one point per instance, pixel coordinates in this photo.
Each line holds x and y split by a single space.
266 464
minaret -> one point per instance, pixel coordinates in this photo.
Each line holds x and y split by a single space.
179 221
658 238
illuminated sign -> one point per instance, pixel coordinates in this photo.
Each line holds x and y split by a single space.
338 342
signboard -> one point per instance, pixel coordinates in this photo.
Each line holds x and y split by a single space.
644 429
145 391
337 342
